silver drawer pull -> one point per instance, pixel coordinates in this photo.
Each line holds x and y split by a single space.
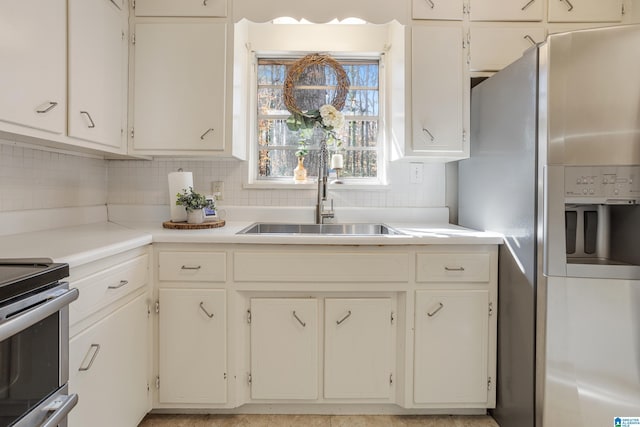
298 319
209 315
187 267
528 4
346 316
93 358
454 268
530 39
569 5
119 285
50 106
434 312
425 130
431 4
206 132
91 123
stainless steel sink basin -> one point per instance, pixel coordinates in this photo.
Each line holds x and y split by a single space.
323 229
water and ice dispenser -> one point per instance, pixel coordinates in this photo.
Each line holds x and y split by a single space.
602 215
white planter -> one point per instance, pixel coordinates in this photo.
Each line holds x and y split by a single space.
195 217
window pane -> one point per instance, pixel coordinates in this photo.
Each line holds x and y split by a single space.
315 87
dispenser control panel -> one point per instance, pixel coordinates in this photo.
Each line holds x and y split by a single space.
602 184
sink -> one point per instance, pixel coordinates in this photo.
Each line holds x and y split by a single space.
355 229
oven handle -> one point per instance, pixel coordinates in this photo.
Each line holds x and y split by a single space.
63 406
30 317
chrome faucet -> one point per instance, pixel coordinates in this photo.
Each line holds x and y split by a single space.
321 212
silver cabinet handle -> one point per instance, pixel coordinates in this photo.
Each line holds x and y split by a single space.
431 4
531 40
115 4
298 319
63 410
209 315
186 267
425 130
204 2
206 132
50 106
91 123
119 285
569 5
93 358
434 312
346 316
454 268
528 4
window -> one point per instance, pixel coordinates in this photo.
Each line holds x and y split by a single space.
276 144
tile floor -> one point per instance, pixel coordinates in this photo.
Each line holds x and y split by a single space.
156 420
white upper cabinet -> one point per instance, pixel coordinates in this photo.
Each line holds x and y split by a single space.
179 86
507 10
97 72
585 11
33 71
513 41
181 7
438 9
439 92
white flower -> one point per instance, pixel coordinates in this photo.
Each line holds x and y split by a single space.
331 118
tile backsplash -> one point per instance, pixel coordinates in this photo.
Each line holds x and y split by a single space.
36 179
146 182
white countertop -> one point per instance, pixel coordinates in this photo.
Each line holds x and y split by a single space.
80 244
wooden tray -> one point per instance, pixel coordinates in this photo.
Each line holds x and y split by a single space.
187 226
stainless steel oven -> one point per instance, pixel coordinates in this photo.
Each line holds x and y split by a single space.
34 343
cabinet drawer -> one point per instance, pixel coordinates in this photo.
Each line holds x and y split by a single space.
108 285
193 266
320 267
463 267
513 42
181 8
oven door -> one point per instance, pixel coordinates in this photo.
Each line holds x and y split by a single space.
34 358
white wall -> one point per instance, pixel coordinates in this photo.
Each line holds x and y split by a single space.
146 182
36 179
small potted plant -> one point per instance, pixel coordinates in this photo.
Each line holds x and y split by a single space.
194 203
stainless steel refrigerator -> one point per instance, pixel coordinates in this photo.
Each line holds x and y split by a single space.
555 167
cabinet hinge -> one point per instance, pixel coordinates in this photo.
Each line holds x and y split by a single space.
489 383
224 376
157 306
158 382
490 309
391 379
148 311
133 4
249 316
464 135
133 38
148 388
393 317
132 133
249 378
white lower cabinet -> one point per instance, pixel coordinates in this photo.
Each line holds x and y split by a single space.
284 348
192 343
108 369
358 348
452 347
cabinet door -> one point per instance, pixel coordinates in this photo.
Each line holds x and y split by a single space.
108 369
451 346
33 72
585 11
181 7
179 91
438 99
96 72
193 350
437 9
284 348
358 348
507 10
513 41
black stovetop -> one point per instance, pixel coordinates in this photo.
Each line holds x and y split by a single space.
22 276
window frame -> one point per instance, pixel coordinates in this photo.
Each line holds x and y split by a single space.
288 182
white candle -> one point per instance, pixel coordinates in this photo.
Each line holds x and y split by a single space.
337 162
